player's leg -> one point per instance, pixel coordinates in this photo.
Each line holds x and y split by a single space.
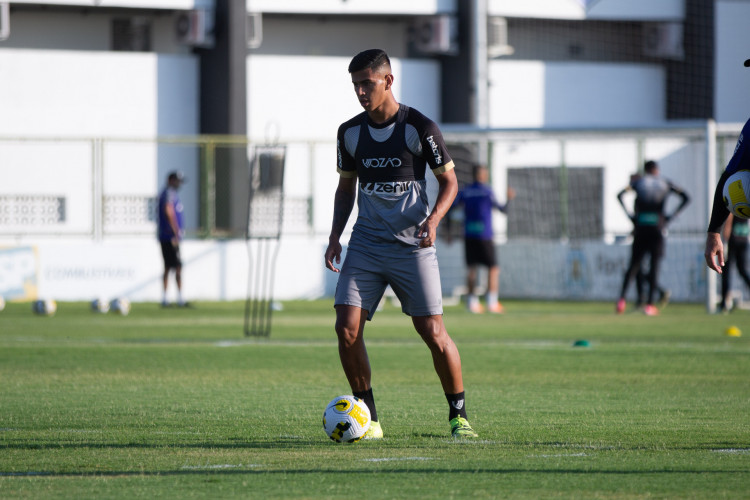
637 253
447 362
741 260
168 258
472 264
493 278
656 252
350 325
358 292
726 272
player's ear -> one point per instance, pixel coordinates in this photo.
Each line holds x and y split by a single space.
388 81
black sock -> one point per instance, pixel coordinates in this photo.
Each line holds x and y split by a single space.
369 400
457 405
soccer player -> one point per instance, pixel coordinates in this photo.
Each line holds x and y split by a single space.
170 231
714 252
383 154
478 201
650 222
736 233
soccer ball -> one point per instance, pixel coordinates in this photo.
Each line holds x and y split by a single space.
99 306
737 193
346 419
120 306
46 307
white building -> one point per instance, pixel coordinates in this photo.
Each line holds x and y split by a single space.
99 99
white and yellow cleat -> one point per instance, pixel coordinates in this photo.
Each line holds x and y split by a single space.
374 432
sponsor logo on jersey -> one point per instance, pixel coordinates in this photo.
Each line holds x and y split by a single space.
386 187
338 153
435 150
381 162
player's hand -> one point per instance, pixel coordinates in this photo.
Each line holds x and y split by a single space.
333 252
428 232
714 251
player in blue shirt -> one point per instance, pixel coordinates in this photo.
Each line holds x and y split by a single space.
740 160
170 231
478 202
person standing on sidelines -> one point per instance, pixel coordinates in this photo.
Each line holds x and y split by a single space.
736 233
383 154
170 229
650 222
714 250
478 201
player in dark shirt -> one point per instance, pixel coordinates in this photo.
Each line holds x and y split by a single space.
736 234
383 154
714 252
650 222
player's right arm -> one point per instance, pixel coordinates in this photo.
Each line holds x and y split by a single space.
714 252
622 202
171 217
343 204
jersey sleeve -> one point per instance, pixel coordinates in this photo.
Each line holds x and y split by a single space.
433 145
345 164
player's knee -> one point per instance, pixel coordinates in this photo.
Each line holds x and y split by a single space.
347 333
433 333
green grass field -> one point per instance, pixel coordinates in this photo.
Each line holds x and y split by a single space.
169 403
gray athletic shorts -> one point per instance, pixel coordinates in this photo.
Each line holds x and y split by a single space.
413 276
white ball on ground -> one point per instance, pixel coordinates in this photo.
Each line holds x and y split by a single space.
346 419
100 306
44 307
120 306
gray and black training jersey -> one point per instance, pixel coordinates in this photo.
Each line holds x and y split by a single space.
390 160
651 196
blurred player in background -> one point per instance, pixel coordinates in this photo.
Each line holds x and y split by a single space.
170 229
736 233
383 154
714 252
650 222
478 201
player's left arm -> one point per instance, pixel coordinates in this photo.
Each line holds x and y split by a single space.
685 199
448 187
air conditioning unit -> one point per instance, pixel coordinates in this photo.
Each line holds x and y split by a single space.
4 20
497 37
664 40
254 30
196 27
435 34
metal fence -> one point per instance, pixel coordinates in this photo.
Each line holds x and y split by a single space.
565 180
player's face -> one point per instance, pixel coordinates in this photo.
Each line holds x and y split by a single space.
371 87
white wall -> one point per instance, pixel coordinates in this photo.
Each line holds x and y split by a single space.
641 10
420 7
292 98
149 4
562 94
70 94
732 92
97 94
